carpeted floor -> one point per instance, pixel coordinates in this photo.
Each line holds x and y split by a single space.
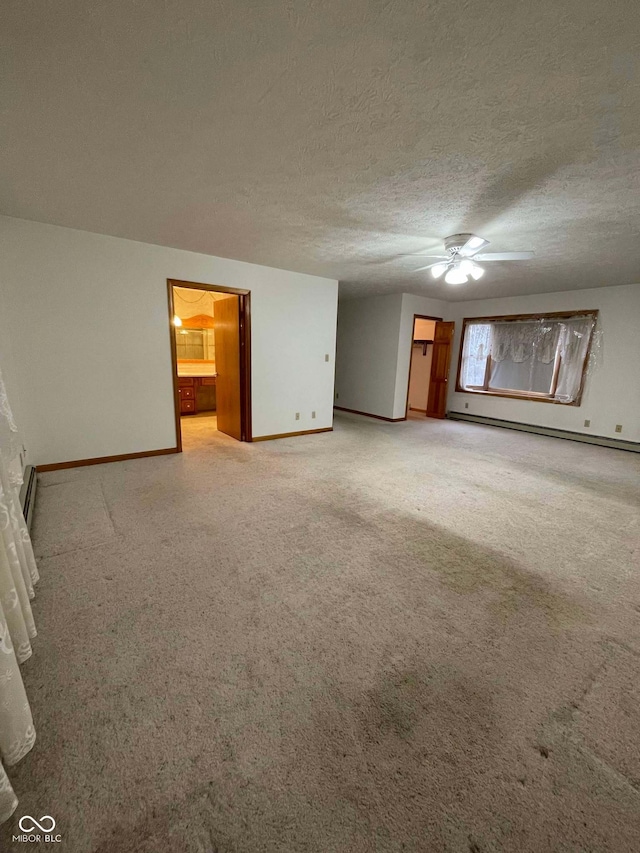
421 636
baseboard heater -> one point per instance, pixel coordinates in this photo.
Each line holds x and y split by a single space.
603 441
28 494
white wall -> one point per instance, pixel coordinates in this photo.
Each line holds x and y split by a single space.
420 377
90 337
7 361
375 335
6 352
424 330
612 393
367 353
411 305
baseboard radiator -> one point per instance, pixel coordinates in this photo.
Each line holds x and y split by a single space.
603 441
28 494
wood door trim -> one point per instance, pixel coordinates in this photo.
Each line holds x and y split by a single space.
291 434
174 366
369 415
196 285
245 364
245 352
541 315
413 326
101 460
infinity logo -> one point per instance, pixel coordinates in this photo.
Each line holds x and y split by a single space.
28 823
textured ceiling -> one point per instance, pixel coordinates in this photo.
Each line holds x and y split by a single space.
329 137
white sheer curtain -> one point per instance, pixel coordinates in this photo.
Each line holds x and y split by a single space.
475 349
523 355
18 574
574 344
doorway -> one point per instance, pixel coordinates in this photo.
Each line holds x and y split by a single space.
209 329
431 342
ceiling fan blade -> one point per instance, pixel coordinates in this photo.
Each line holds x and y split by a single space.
504 256
437 263
473 246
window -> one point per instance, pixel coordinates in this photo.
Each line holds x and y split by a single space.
531 356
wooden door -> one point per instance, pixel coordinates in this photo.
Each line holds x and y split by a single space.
228 385
440 363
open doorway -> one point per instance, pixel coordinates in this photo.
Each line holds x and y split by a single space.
420 365
431 343
211 361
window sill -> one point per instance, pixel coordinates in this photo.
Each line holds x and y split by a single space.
514 395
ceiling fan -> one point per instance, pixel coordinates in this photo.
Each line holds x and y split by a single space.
463 250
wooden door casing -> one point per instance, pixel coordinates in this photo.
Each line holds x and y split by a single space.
244 306
440 366
228 385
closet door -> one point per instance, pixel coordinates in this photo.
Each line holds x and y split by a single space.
440 364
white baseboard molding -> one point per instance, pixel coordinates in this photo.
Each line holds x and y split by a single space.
603 441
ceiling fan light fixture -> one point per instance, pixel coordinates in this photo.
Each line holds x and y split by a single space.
456 276
463 253
438 270
469 268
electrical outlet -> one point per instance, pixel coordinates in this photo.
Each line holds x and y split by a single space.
466 405
297 416
326 356
618 427
587 423
313 414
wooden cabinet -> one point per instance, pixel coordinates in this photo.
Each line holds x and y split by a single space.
197 394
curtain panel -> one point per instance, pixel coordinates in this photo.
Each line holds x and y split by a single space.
575 338
523 354
475 349
18 575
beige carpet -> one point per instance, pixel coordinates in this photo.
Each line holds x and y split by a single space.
421 636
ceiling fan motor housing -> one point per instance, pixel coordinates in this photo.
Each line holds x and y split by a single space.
454 243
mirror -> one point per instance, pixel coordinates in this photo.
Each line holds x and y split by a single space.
195 340
195 344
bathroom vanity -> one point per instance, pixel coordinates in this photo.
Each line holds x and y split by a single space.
197 394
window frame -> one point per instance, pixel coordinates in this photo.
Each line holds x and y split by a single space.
532 396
